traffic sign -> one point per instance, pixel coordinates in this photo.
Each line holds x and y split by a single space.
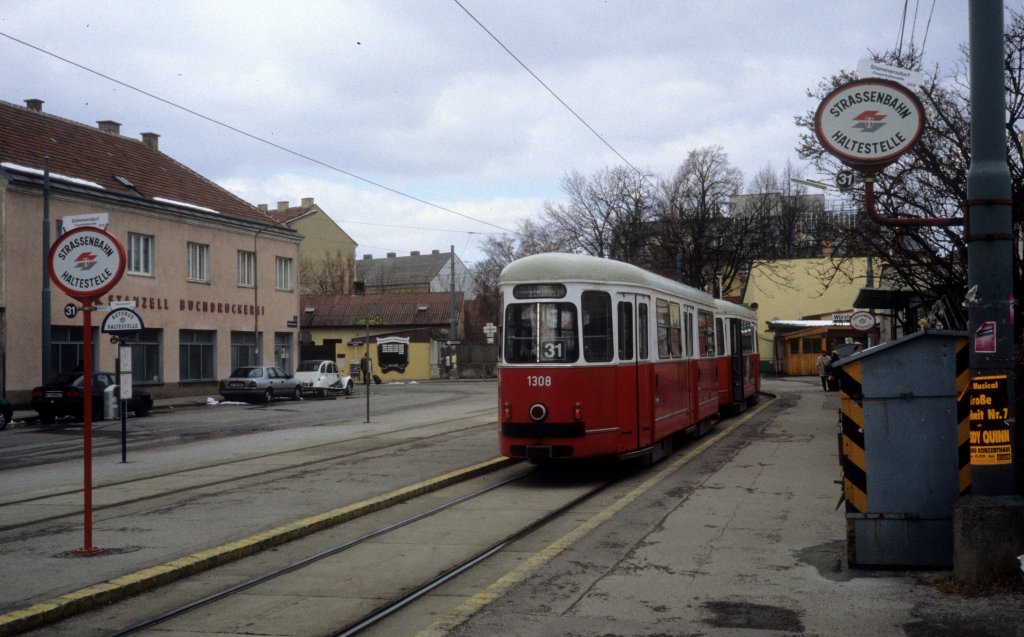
122 320
862 321
869 123
70 310
86 262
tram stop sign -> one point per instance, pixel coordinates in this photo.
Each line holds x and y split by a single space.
869 123
85 263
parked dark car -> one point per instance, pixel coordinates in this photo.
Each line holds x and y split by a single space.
260 383
6 413
64 395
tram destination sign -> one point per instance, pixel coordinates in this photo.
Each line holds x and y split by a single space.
869 123
86 262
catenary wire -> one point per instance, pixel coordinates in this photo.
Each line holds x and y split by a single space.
549 90
253 136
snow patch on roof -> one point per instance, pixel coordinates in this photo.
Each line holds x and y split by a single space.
18 168
184 204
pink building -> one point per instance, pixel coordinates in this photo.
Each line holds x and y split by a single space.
214 279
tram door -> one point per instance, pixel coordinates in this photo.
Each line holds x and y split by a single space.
636 390
736 358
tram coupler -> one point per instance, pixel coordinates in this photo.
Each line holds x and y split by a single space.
538 453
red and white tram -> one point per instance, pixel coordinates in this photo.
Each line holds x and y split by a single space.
602 358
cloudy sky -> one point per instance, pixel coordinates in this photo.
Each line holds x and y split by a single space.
413 128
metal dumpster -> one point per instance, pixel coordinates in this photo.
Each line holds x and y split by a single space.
903 449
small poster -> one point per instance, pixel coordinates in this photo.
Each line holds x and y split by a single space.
989 417
985 338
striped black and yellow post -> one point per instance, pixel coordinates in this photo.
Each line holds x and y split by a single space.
963 411
852 458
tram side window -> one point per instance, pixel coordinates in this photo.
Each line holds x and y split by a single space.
687 334
540 332
664 340
625 331
705 333
720 333
642 330
676 332
597 326
748 336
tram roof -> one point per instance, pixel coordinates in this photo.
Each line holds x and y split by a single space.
561 267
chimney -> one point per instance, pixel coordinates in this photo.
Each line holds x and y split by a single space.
262 207
307 202
392 255
435 252
151 141
367 257
110 126
282 206
414 253
34 105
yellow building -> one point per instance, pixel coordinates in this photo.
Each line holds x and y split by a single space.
408 332
799 289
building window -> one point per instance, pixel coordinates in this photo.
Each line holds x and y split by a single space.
66 347
244 351
246 269
196 355
140 254
146 366
283 350
284 273
198 262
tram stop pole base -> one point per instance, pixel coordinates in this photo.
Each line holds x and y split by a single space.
988 537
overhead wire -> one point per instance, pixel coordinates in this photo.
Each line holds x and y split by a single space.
255 137
550 90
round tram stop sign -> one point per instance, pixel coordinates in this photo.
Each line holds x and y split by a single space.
86 263
869 123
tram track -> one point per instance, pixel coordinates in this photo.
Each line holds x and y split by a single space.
474 546
8 508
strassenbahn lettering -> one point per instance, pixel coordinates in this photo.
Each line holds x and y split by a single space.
85 241
871 97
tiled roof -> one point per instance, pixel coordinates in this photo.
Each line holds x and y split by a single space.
93 155
289 214
417 269
394 309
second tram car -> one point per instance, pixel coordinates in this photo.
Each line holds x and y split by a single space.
602 358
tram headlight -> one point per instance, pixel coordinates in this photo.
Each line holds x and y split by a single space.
538 412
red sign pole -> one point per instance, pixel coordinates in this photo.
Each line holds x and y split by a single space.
87 547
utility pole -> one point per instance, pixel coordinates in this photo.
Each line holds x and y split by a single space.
990 239
453 324
45 318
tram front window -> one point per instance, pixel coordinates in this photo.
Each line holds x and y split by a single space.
541 333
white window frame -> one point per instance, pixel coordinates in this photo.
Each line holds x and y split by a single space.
246 269
284 274
198 262
141 254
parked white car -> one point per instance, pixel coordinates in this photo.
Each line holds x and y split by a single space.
320 377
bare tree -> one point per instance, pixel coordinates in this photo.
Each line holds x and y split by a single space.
697 242
333 273
607 215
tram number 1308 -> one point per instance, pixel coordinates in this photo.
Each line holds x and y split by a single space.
538 381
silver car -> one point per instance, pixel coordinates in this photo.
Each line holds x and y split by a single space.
260 384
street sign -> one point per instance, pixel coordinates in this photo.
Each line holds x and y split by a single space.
87 262
369 320
98 220
906 77
70 310
869 123
121 321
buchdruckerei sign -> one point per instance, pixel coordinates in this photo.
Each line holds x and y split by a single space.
86 262
869 123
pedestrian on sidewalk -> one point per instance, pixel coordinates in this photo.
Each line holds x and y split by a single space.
824 363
